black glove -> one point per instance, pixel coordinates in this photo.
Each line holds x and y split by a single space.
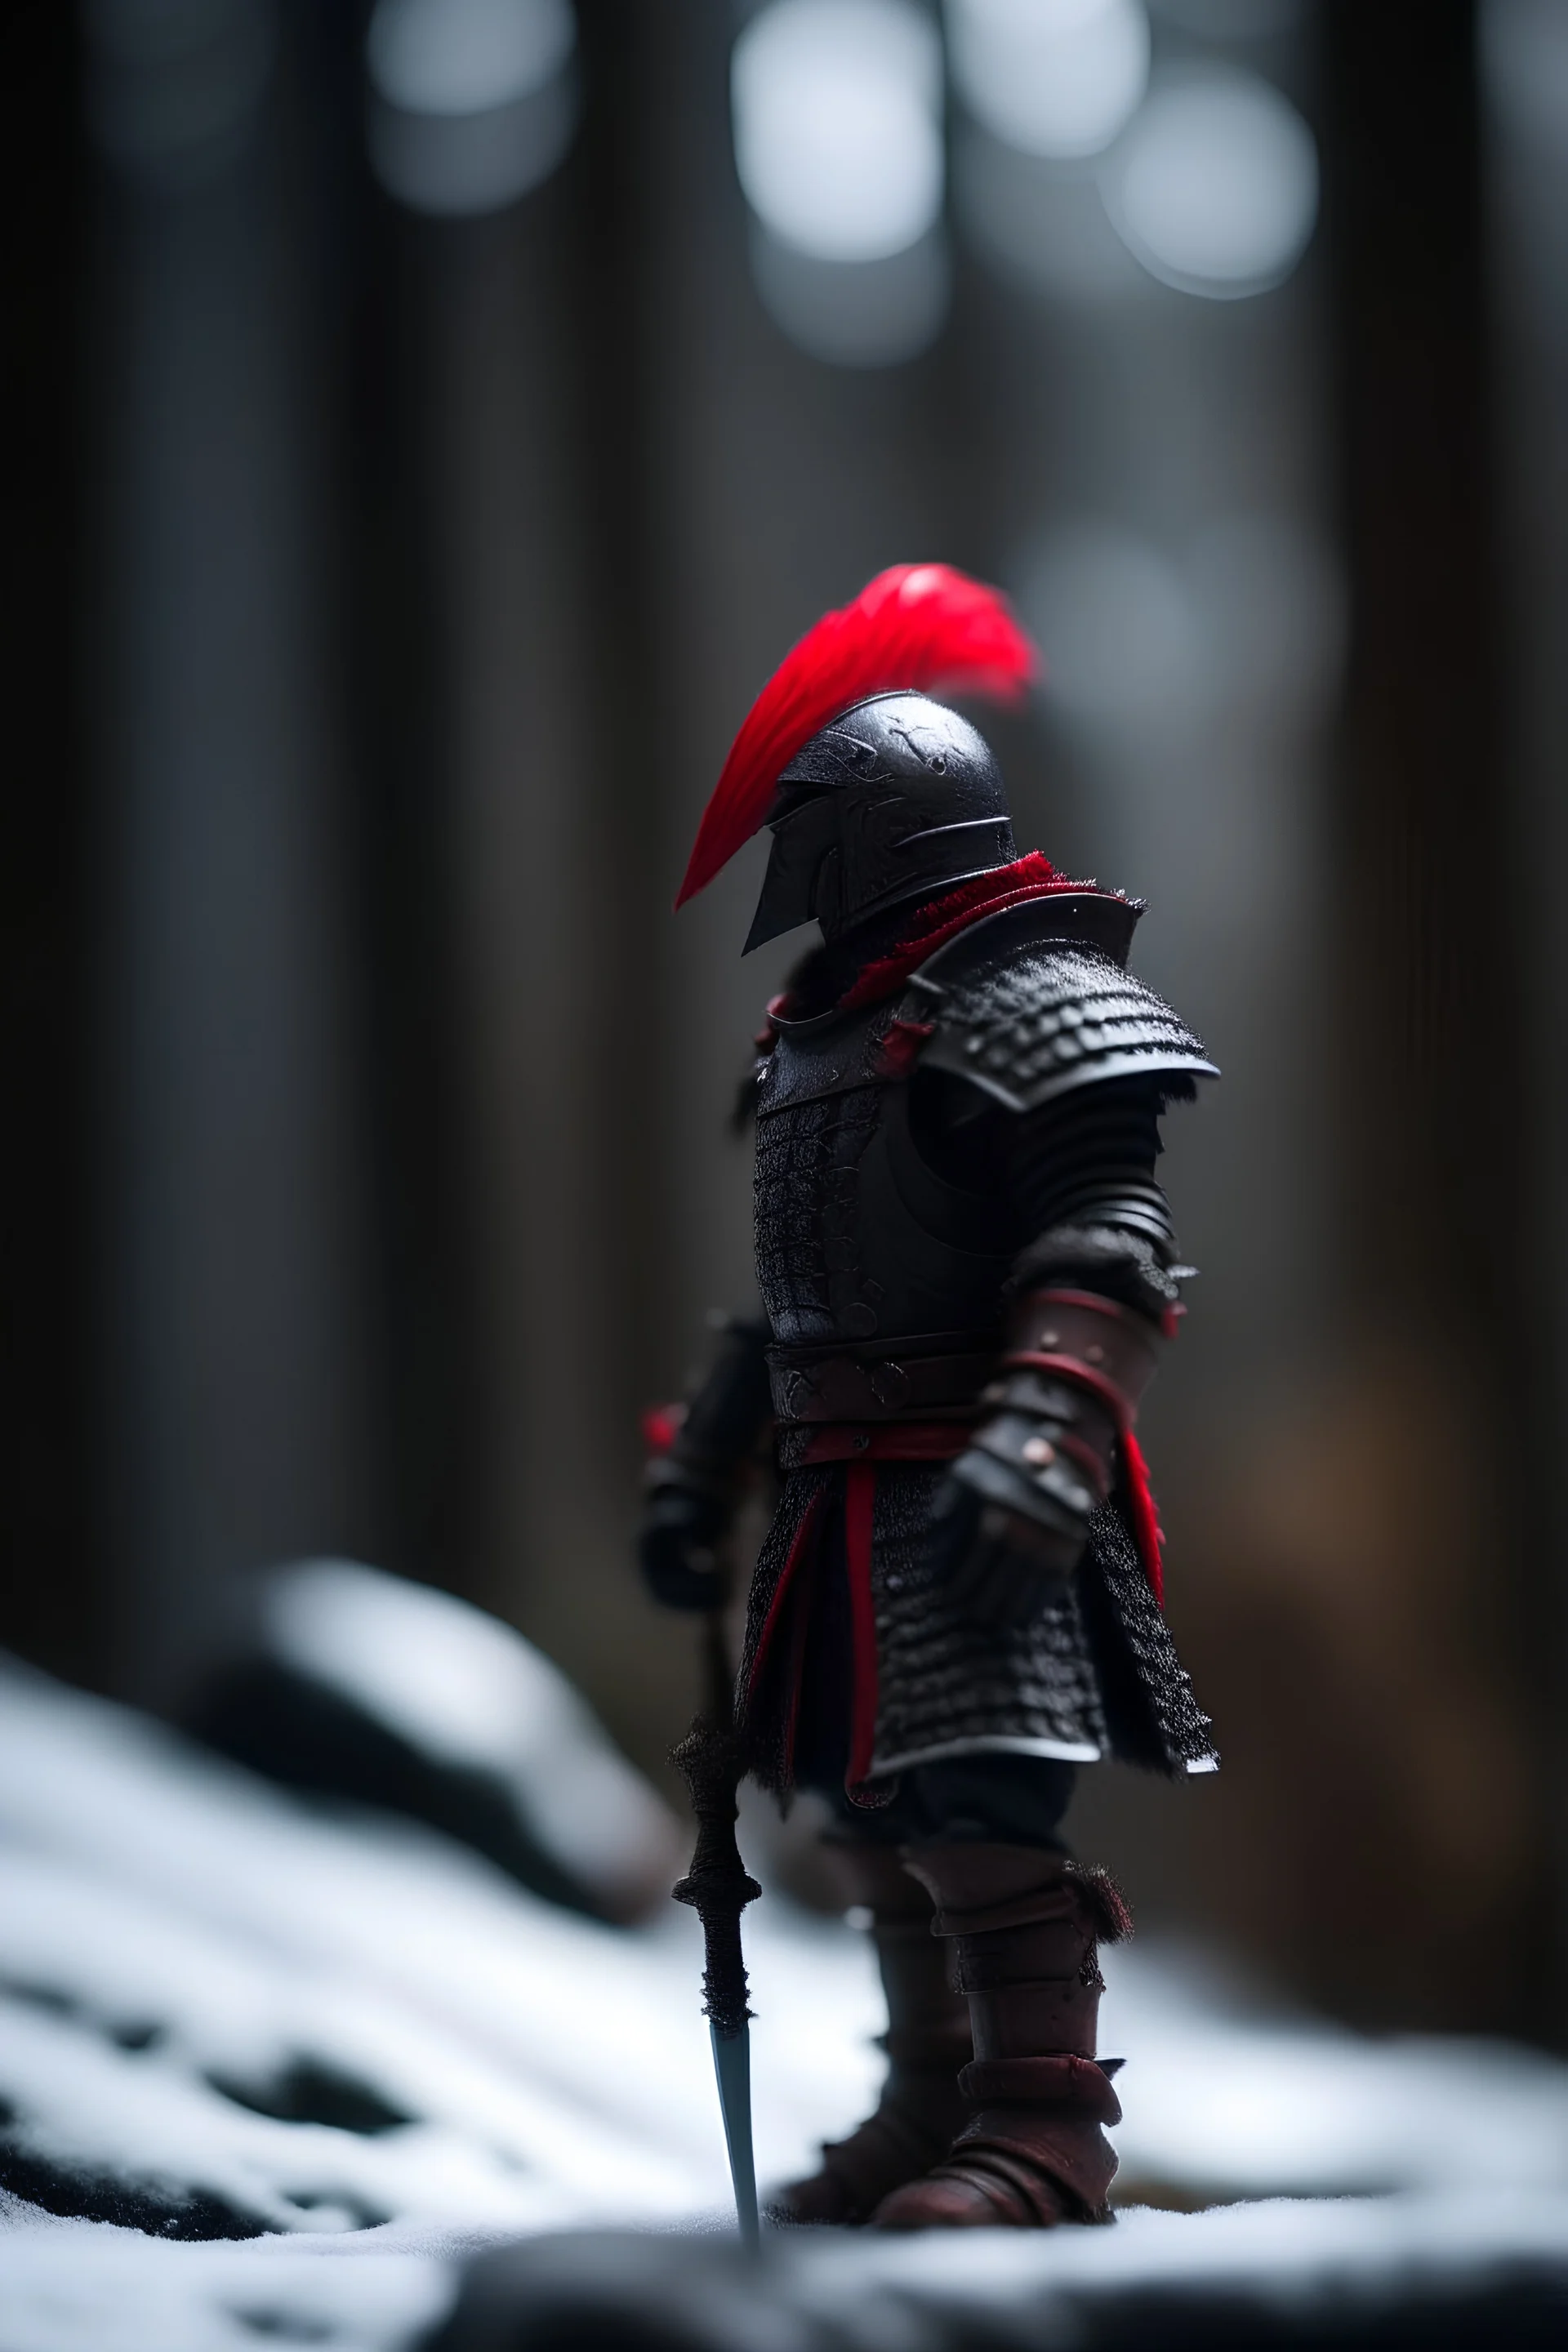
1012 1516
677 1549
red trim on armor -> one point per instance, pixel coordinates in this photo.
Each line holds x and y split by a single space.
1140 1509
1095 1301
1088 1464
803 1544
859 1521
794 1668
1145 1518
1070 1368
901 1045
661 1427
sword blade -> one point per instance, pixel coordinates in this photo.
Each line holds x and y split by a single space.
732 2073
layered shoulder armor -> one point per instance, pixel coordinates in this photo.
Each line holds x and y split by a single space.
1035 1002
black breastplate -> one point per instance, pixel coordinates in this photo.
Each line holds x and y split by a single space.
859 1239
860 1243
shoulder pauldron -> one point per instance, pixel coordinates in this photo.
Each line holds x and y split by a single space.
1027 1017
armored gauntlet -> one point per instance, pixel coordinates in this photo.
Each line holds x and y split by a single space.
1015 1515
694 1480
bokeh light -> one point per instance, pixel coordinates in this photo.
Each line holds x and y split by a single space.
1145 638
459 57
473 102
1055 78
838 106
1215 186
855 313
837 113
1039 226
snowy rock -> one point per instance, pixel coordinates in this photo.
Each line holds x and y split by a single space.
1427 2272
217 1996
362 1685
272 2073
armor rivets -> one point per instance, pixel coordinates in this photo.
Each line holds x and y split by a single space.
1050 1338
1095 1355
1040 1452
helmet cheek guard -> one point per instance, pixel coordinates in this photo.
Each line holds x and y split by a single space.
805 837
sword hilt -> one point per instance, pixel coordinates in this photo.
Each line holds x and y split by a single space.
718 1885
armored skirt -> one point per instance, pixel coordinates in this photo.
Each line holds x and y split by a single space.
857 1667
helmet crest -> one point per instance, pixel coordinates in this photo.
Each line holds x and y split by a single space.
919 625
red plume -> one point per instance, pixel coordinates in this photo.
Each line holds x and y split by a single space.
919 625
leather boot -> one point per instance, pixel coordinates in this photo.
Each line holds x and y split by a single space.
922 2108
1025 1925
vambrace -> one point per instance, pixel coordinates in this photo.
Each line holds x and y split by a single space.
1102 1256
1078 1365
1091 1300
694 1480
1024 1492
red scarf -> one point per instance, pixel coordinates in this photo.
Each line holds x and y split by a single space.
940 919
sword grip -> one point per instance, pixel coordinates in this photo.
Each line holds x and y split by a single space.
718 1885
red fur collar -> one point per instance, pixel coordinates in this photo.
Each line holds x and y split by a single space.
940 919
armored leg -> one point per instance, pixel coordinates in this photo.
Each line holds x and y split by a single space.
921 2109
1023 1925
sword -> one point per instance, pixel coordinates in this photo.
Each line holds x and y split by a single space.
718 1888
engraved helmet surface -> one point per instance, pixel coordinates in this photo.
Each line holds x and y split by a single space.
898 798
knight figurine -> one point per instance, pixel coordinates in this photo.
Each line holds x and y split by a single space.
968 1274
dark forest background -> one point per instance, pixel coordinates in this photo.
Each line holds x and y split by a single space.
382 590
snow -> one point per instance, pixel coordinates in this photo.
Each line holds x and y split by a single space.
181 1948
76 2286
469 1692
1230 2105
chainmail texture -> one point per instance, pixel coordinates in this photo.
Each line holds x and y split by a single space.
806 1197
1096 1670
1155 1719
945 1681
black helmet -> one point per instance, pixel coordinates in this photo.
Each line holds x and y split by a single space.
898 799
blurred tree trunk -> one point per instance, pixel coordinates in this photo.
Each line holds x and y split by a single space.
1439 1131
51 1601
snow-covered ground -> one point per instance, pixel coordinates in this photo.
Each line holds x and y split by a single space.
315 2059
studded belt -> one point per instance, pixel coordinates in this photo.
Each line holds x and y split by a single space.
921 1383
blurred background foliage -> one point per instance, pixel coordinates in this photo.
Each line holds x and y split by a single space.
428 426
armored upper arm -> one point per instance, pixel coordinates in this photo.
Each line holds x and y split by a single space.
1077 1059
